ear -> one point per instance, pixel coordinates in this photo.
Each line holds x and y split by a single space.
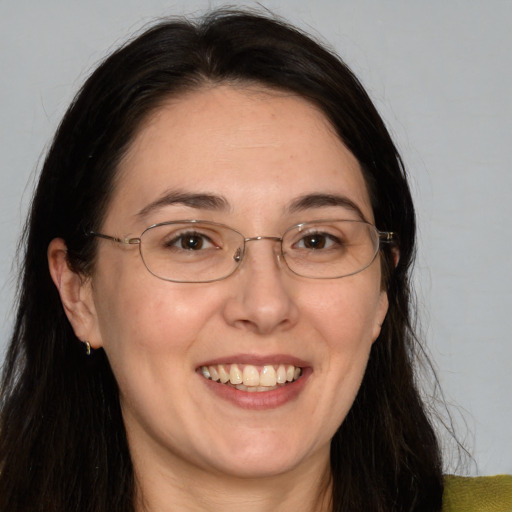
75 292
383 304
396 255
380 314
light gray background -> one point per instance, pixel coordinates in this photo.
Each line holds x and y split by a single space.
440 74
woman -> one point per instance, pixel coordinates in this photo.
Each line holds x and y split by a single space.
255 350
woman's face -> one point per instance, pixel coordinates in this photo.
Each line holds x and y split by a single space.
267 160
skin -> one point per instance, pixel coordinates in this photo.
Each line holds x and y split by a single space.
192 449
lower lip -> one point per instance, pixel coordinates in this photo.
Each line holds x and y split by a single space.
260 400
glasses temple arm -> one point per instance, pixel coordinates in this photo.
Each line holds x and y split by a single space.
387 236
127 241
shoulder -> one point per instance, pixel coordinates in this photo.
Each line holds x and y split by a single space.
478 494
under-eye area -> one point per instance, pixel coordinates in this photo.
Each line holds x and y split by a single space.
252 378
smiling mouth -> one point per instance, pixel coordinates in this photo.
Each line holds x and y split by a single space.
252 378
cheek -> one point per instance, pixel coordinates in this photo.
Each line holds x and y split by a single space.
346 316
343 315
150 335
347 311
143 316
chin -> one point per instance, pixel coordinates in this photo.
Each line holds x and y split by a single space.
262 455
258 467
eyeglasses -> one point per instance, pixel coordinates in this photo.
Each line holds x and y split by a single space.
197 251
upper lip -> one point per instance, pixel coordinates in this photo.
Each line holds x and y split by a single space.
257 360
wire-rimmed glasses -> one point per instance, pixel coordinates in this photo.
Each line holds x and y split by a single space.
197 251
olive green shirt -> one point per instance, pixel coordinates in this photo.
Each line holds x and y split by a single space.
478 494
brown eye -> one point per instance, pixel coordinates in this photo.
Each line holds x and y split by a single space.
191 242
314 241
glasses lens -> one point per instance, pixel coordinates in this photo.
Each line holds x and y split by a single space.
330 249
191 251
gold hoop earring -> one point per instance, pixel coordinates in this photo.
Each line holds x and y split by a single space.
87 348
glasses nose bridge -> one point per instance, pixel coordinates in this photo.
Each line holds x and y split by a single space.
253 238
271 238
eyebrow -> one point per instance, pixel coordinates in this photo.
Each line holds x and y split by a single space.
215 202
310 201
192 200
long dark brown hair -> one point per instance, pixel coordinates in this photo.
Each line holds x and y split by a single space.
63 446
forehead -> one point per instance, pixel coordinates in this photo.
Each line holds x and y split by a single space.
258 149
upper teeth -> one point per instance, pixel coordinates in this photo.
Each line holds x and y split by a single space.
253 376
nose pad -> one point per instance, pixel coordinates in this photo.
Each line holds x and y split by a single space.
239 254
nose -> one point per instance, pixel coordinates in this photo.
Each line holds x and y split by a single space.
262 301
